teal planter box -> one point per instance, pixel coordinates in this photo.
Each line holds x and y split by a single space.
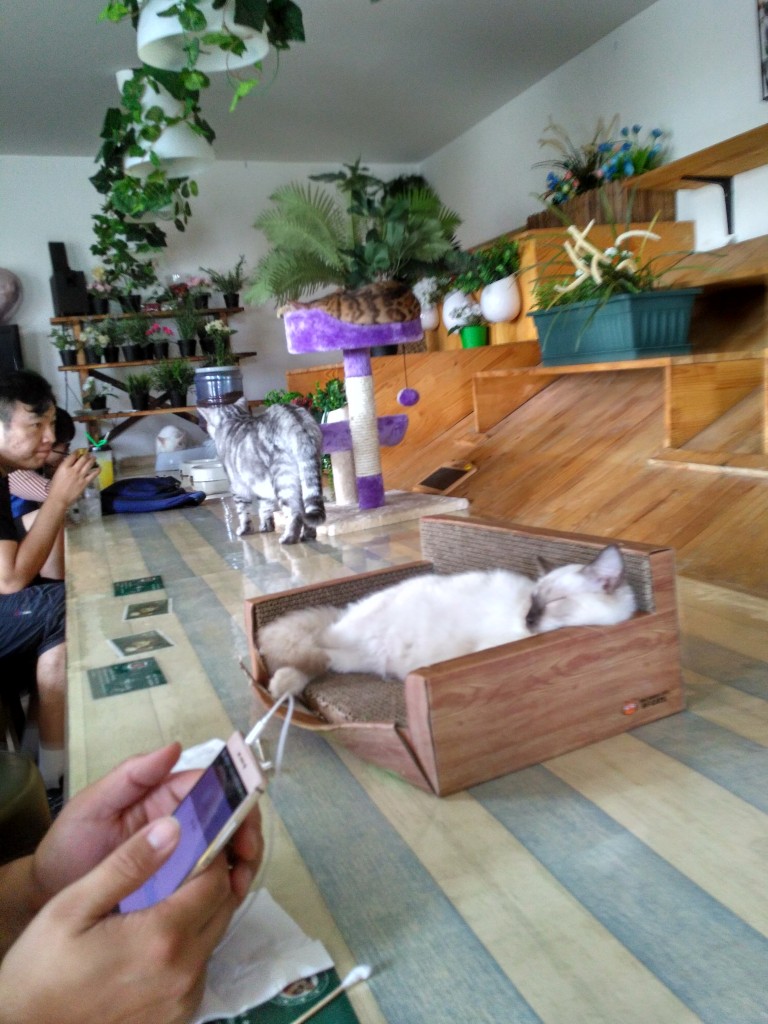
640 326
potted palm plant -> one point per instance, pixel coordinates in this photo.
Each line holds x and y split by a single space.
229 282
369 232
614 307
174 376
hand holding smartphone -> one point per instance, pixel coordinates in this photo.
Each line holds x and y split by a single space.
209 815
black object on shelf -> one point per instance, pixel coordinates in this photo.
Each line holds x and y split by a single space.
68 289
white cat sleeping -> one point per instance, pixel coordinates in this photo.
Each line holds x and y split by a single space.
433 618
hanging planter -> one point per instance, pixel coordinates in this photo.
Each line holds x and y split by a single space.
452 303
178 150
500 301
161 40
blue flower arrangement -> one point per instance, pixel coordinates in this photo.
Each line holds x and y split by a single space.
606 157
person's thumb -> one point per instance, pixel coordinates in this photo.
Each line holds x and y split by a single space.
123 871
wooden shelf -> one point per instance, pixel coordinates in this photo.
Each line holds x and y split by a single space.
160 314
139 362
725 159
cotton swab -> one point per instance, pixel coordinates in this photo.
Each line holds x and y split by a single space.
360 973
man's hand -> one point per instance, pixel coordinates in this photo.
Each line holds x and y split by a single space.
101 817
78 960
71 478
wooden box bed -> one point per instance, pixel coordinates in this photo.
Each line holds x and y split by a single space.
461 722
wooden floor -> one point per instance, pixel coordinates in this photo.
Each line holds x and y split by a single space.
576 457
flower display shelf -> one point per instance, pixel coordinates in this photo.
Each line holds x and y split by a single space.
646 325
622 200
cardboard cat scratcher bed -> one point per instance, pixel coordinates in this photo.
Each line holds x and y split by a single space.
461 722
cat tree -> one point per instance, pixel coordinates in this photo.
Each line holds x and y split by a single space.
310 329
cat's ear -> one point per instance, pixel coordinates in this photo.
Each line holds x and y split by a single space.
544 566
242 403
607 569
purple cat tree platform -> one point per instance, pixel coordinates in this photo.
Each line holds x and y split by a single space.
312 329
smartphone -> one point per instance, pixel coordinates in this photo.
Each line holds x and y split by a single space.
209 814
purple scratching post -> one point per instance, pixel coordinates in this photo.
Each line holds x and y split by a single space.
313 330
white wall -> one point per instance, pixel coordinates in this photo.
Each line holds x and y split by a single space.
689 66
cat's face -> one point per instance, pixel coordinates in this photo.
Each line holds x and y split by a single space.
215 415
569 595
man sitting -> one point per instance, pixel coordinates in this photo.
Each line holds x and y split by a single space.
31 606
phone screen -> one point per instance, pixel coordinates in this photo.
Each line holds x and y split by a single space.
203 813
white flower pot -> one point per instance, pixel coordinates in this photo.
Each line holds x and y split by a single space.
500 301
160 41
430 317
451 303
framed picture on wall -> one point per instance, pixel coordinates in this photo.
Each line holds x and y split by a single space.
762 29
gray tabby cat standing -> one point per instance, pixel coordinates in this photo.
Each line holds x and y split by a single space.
274 457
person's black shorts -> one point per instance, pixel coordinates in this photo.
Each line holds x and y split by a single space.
32 620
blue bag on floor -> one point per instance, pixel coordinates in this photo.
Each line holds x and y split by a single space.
147 494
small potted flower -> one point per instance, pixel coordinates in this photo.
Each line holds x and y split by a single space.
199 289
100 291
64 341
138 386
229 282
94 340
471 325
95 395
159 336
218 335
615 306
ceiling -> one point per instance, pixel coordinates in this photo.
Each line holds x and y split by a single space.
392 81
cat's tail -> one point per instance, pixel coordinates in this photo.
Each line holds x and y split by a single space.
292 648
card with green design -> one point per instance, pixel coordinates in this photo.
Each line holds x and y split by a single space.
138 585
296 999
125 677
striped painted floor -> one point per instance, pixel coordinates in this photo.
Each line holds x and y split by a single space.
624 883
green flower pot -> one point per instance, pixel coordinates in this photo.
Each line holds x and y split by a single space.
475 336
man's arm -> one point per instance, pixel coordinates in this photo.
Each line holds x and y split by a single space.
21 561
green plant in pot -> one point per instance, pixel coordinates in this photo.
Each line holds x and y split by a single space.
135 342
174 376
139 386
189 323
471 325
367 232
63 340
112 329
491 272
229 282
615 305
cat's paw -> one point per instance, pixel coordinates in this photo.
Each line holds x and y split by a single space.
267 525
287 680
244 529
